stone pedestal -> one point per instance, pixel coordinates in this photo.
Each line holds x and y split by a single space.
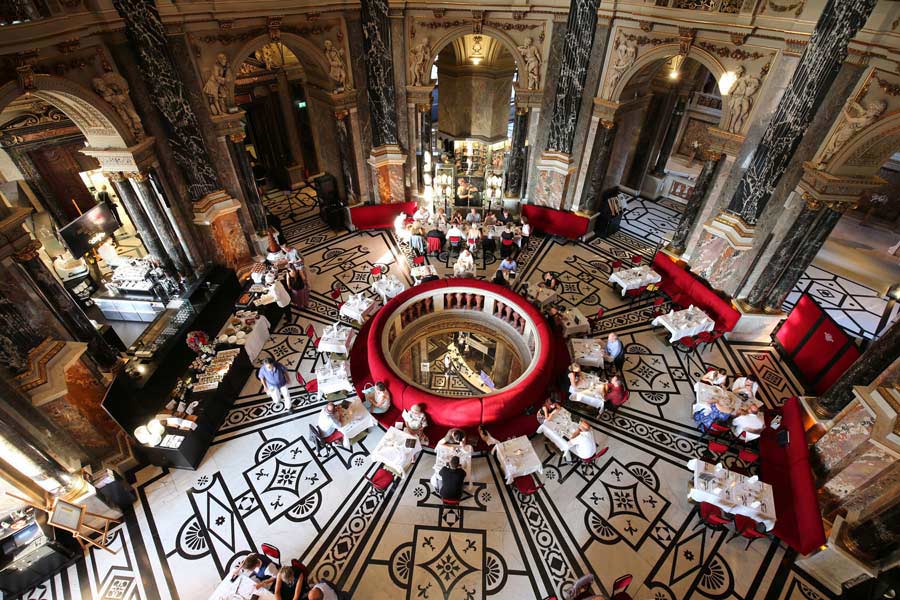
755 325
555 170
67 391
387 173
834 565
218 211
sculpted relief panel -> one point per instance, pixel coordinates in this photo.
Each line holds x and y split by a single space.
867 131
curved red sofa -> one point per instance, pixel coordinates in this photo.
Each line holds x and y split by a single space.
379 216
787 469
556 222
459 412
685 289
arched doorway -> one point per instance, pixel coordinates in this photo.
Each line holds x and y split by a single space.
284 86
471 120
667 105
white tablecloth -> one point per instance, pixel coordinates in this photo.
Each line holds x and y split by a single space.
558 429
243 587
254 341
388 287
574 322
393 453
587 352
544 295
420 273
631 279
336 339
357 308
684 323
732 492
356 420
518 458
334 378
588 391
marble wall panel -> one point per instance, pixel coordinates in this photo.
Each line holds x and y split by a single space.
844 437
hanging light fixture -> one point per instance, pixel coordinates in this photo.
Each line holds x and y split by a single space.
477 51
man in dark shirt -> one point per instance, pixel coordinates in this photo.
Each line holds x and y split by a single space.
452 479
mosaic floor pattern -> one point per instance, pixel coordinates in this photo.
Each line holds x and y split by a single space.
262 482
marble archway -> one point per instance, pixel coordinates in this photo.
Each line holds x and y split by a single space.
97 120
657 55
503 38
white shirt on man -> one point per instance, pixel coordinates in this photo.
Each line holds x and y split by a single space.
584 445
454 231
326 423
750 423
328 592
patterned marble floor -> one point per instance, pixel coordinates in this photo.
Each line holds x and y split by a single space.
262 482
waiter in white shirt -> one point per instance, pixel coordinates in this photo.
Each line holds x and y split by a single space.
749 424
746 386
582 442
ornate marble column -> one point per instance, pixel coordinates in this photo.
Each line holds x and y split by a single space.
711 162
555 166
160 222
144 228
669 140
603 143
345 148
147 35
387 158
516 167
877 357
795 253
68 311
241 159
424 111
818 67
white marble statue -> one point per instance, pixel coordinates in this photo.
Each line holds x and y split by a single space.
626 53
741 100
420 63
113 88
531 54
214 88
337 70
855 119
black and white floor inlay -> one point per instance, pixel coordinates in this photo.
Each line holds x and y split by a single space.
262 482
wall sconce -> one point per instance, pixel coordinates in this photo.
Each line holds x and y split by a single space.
726 82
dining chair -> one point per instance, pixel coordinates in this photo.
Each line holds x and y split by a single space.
748 529
711 516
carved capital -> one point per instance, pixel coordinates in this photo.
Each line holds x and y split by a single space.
342 114
812 203
137 176
521 110
28 252
273 24
423 108
114 176
607 123
237 138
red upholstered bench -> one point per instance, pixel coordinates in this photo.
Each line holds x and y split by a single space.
685 289
379 216
787 469
556 222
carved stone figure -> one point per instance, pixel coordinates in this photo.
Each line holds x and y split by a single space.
745 86
856 118
113 88
626 53
337 70
214 88
532 57
420 64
